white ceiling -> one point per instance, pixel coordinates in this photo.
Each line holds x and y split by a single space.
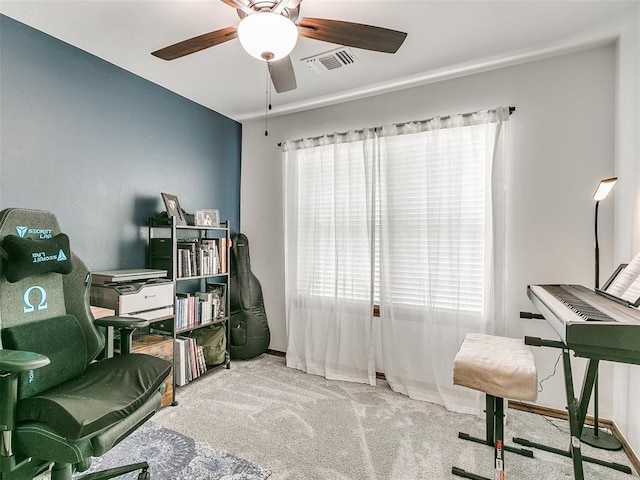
445 39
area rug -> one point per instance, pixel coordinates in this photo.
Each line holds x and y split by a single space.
173 456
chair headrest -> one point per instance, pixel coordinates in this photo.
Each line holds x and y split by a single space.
32 244
26 257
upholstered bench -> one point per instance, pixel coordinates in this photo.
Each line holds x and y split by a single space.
501 368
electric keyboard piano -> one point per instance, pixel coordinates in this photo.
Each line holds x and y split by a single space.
594 327
591 325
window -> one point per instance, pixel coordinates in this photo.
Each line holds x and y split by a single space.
432 206
333 221
397 215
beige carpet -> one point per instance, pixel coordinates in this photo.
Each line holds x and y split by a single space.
304 427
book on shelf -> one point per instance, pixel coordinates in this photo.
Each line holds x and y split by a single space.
193 358
183 263
188 365
180 359
202 364
210 257
205 300
207 256
183 310
187 257
222 245
193 310
224 264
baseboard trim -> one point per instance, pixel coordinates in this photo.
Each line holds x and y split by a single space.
560 414
276 353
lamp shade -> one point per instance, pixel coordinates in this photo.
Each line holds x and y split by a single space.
604 187
267 36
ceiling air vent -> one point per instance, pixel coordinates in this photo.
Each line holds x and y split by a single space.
340 57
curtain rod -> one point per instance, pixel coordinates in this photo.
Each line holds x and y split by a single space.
511 110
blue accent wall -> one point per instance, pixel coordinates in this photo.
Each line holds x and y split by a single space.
95 145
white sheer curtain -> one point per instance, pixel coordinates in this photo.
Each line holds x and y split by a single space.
408 217
441 230
328 259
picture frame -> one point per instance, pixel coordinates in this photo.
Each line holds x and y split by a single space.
219 292
172 205
208 218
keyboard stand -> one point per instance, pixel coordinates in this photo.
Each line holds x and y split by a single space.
577 409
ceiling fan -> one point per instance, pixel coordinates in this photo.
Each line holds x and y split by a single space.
269 29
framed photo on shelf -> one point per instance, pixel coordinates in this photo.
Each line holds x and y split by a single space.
173 208
207 218
219 294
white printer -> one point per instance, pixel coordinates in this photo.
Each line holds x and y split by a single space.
141 293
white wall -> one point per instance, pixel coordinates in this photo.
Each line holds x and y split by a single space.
627 207
561 142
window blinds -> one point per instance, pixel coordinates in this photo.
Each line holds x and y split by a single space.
420 187
432 202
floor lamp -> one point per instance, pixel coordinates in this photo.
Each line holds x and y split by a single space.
593 436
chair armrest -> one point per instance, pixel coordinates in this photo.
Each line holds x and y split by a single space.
14 361
121 322
126 326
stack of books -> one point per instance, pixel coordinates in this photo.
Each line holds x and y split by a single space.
201 257
189 362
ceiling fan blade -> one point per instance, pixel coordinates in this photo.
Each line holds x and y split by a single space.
282 75
351 34
196 44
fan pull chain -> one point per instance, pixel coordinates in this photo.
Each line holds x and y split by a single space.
267 106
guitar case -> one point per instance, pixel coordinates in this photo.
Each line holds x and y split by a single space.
250 334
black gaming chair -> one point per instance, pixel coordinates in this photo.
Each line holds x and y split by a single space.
58 406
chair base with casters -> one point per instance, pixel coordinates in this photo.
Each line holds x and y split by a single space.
59 405
501 368
64 471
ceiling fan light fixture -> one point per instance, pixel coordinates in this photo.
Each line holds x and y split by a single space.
267 36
